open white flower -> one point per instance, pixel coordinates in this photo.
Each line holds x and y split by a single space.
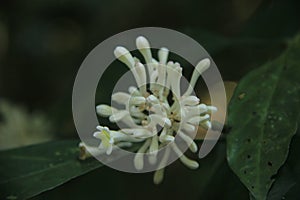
148 107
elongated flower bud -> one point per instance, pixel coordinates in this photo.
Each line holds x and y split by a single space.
190 100
192 145
120 97
139 156
143 45
137 100
163 55
199 69
188 162
104 110
122 54
159 174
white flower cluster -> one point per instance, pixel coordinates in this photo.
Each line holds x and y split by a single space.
148 107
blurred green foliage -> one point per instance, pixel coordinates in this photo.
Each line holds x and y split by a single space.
18 127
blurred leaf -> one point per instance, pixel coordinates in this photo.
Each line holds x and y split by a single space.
263 115
216 43
270 16
19 127
244 9
30 170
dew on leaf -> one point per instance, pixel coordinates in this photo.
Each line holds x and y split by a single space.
264 142
270 163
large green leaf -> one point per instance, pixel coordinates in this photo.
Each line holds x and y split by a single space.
263 115
30 170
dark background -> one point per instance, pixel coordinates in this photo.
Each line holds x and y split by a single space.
42 43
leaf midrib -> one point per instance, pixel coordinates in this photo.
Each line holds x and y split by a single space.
265 113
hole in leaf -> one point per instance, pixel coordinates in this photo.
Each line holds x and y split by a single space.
252 187
264 142
248 156
270 163
245 172
249 140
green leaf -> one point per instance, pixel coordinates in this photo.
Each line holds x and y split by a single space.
30 170
213 180
287 184
263 115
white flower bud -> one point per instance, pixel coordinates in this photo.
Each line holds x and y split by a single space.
134 91
166 138
139 161
212 108
117 116
163 55
152 99
120 97
154 145
139 156
143 45
104 110
190 100
192 145
198 119
158 176
158 119
122 54
203 65
188 162
137 100
199 69
152 158
206 124
141 72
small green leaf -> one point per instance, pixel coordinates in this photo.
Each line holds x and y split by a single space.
30 170
263 115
